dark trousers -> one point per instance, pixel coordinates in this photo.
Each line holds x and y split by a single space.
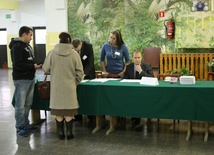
135 120
79 117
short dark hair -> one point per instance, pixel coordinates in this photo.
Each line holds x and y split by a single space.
119 39
64 37
76 42
24 29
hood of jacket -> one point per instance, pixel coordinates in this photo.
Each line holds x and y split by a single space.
14 41
63 49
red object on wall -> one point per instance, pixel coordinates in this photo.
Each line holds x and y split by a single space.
161 14
170 28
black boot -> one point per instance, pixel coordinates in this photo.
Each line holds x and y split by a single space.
69 127
60 129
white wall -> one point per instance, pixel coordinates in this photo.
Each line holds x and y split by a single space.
6 23
49 13
32 13
56 15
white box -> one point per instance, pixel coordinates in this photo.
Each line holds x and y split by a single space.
187 80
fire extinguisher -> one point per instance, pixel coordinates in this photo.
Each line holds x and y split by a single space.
170 28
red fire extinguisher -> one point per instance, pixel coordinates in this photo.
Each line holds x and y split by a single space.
170 28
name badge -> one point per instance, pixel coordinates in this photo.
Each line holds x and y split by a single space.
84 57
30 58
117 53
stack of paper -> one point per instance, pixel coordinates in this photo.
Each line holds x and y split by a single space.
187 80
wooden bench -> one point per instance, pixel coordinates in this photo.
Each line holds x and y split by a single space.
193 61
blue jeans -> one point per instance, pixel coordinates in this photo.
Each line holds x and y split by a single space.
24 90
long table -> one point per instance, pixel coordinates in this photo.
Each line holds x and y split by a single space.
171 101
167 101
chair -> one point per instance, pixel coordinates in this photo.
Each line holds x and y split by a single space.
210 74
163 76
152 56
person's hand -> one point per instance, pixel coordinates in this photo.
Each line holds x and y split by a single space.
105 74
138 68
121 74
37 66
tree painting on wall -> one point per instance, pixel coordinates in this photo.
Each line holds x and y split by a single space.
138 20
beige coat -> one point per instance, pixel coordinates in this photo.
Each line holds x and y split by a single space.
66 72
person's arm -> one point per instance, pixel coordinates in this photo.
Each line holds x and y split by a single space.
103 65
79 69
102 59
127 60
146 71
126 56
46 67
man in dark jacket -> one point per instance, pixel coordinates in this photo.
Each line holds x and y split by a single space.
24 68
86 53
137 70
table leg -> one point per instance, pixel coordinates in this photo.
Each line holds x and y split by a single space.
99 123
189 130
113 124
206 131
36 119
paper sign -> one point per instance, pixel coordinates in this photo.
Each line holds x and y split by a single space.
130 80
174 79
149 81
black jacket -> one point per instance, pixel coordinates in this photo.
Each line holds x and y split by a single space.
87 58
22 59
146 71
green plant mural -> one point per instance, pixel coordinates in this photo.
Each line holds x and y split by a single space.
93 20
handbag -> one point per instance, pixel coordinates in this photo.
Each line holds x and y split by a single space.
44 88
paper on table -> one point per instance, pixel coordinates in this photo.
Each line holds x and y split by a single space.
130 80
99 80
84 81
113 78
149 81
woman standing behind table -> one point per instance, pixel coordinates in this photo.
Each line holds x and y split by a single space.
115 51
65 68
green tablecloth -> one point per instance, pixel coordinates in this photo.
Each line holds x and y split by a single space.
175 101
172 101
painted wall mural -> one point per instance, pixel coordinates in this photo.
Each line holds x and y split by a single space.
141 26
198 30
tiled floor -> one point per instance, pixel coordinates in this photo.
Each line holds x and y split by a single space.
154 139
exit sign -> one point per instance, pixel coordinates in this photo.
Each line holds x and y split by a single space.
8 16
